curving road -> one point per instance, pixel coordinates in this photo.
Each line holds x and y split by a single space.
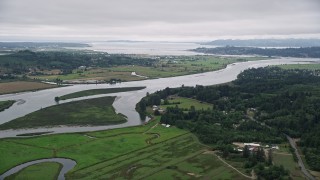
300 162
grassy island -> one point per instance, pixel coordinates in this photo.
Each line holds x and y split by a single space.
98 111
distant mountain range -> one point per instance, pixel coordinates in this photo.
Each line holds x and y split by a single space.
266 43
303 52
38 45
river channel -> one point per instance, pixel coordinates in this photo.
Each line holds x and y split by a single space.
125 101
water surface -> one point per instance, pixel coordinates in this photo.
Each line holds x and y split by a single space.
126 101
67 165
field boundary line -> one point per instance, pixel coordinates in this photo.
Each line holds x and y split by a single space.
28 145
229 165
170 164
148 146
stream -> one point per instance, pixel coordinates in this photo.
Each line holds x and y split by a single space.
67 165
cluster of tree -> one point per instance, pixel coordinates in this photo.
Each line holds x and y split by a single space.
6 76
286 100
254 157
21 61
311 143
263 166
313 52
272 172
149 100
213 126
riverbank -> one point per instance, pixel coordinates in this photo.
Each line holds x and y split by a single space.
126 101
144 151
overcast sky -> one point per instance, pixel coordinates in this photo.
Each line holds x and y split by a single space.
169 20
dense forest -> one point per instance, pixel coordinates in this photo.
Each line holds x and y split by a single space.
305 52
21 61
259 106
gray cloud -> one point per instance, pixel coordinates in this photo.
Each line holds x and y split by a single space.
157 20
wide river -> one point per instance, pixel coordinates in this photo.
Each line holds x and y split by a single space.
125 101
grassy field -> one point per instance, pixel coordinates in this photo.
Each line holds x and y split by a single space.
237 161
175 66
5 105
286 159
98 111
46 170
186 103
21 86
15 153
201 166
86 148
91 74
98 91
301 66
149 151
183 65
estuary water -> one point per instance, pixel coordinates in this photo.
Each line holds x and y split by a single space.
150 48
125 101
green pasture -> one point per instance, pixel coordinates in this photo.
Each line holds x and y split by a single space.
301 66
186 103
287 161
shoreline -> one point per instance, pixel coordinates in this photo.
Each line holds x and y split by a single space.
125 103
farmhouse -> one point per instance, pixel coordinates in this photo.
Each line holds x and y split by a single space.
251 144
82 67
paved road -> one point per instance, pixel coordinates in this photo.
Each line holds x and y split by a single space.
303 168
294 146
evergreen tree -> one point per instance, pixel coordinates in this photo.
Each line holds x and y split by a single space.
142 105
246 152
269 157
260 155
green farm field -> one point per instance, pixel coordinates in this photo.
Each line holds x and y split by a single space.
91 74
177 66
201 166
301 66
286 160
186 103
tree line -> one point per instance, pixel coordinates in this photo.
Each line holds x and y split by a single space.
22 61
288 101
303 52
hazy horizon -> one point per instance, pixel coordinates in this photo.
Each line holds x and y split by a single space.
168 20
